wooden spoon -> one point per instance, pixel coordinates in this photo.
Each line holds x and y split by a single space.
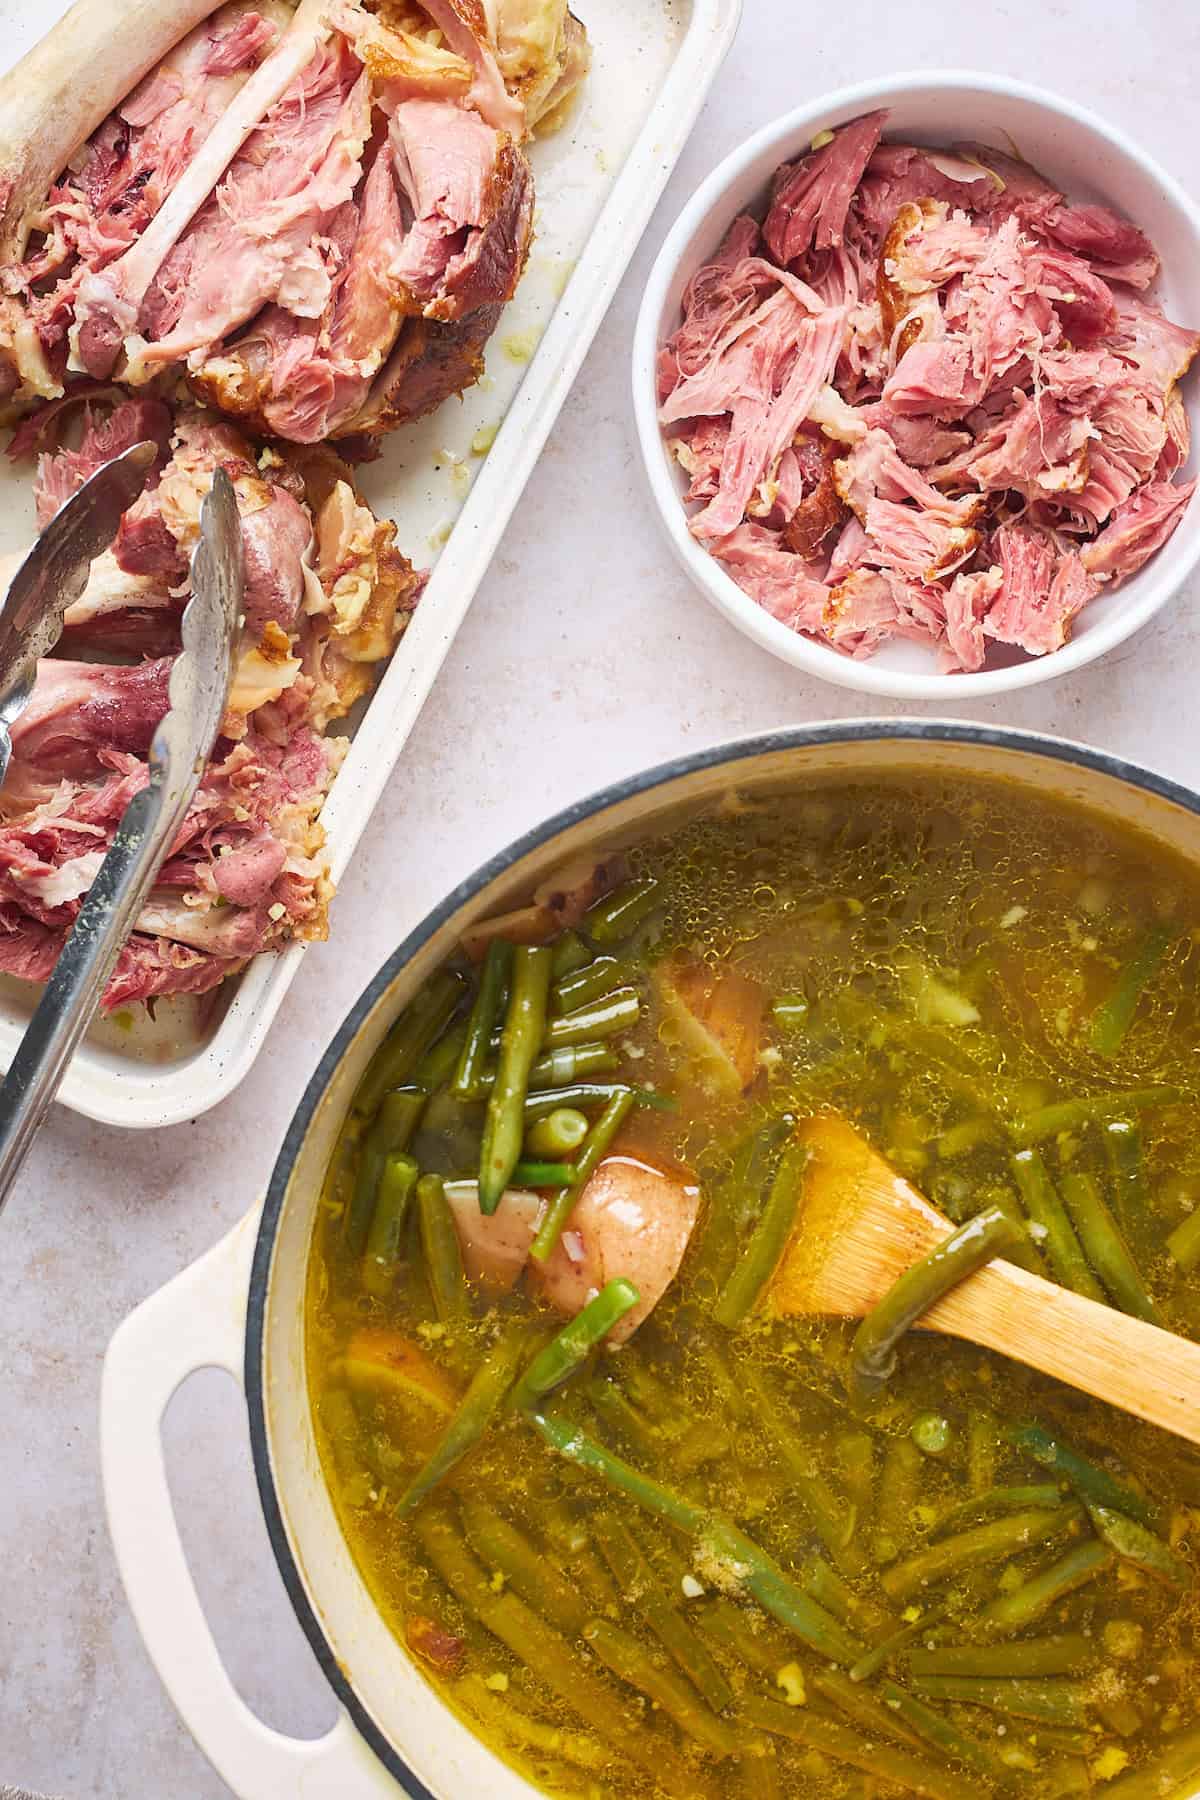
863 1225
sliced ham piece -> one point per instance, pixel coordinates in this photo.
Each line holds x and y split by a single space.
1040 592
1137 528
810 198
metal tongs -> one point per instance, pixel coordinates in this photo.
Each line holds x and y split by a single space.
31 620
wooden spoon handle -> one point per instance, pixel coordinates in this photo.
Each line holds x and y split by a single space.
1138 1367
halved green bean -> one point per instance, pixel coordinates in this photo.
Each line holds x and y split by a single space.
768 1240
999 1500
742 1561
385 1239
593 982
1126 1169
504 1125
476 1411
1069 1653
506 1551
873 1357
800 1725
860 1705
1053 1225
974 1549
1114 1016
640 1587
932 1433
562 1204
1184 1242
1135 1544
423 1019
868 1666
560 1358
558 1135
569 1065
604 1018
899 1491
494 979
653 1676
1105 1248
568 953
395 1122
1072 1115
544 1174
1012 1612
1089 1482
934 1728
442 1249
591 1093
1055 1700
551 1656
619 914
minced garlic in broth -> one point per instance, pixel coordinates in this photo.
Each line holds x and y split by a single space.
939 951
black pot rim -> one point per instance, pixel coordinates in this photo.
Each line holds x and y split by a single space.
799 737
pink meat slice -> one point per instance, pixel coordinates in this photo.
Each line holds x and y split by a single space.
63 473
782 584
80 709
1041 591
253 241
811 198
1138 528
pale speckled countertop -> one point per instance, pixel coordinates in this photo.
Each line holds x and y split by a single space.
586 656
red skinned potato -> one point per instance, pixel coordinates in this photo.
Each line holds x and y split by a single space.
715 1017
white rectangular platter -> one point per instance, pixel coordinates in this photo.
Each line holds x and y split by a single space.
598 180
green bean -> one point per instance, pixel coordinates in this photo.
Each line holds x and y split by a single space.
1120 1715
1106 1249
494 980
756 1642
937 1730
899 1491
1184 1242
831 1518
759 1772
526 1569
504 1125
619 914
594 982
1070 1776
967 1135
1073 1115
858 1611
873 1357
558 1134
619 1411
1171 1775
1067 1654
1065 1739
630 1661
1089 1482
567 1529
568 1066
999 1500
568 953
562 1204
1010 1613
1114 1016
604 1018
1126 1169
549 1655
975 1548
983 1442
640 1587
1055 1700
800 1725
385 1240
392 1129
790 1011
1024 1251
571 1347
508 1722
860 1705
768 1240
441 1059
713 1249
423 1019
591 1095
1051 1220
544 1174
476 1411
868 1666
1134 1543
443 1252
722 1544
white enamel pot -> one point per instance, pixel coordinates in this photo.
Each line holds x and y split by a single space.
240 1308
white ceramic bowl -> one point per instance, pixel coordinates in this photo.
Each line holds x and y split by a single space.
1090 161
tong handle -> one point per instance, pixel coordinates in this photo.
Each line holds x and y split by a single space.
77 980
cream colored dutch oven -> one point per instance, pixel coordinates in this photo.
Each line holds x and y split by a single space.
240 1308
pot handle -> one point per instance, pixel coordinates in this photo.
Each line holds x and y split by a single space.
197 1321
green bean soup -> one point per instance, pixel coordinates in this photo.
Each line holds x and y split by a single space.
648 1526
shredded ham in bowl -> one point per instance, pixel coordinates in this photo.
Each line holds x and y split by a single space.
927 398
